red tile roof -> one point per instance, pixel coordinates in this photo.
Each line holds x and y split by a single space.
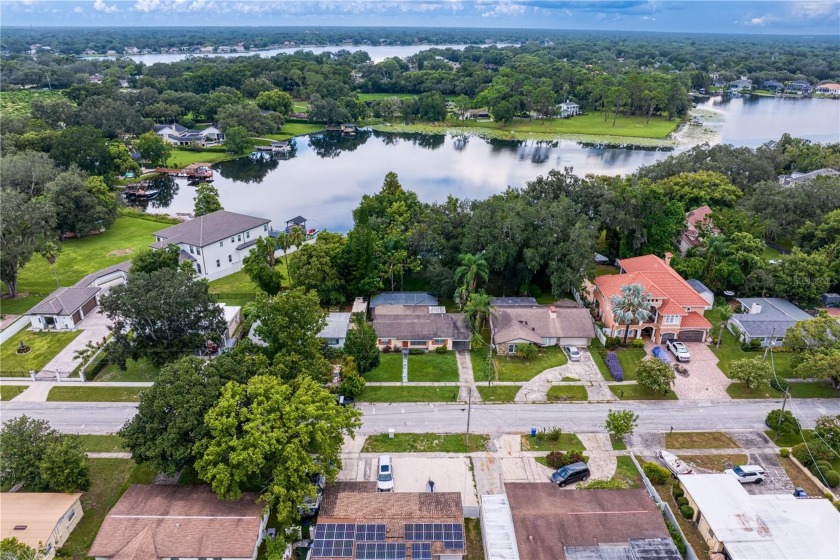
660 280
671 308
697 216
695 321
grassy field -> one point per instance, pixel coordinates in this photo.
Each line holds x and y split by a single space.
95 394
141 370
8 392
408 394
789 440
424 443
637 393
718 463
520 369
699 440
627 473
109 478
421 367
102 444
566 442
79 257
559 393
629 359
44 346
803 390
182 158
20 102
498 393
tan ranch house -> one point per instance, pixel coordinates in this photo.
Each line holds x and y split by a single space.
41 520
420 328
519 321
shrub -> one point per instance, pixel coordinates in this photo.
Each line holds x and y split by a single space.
441 350
554 434
784 452
677 491
416 351
823 465
557 459
779 384
783 423
656 473
386 349
527 351
605 485
612 342
809 453
676 537
687 512
755 344
614 366
637 343
832 478
682 501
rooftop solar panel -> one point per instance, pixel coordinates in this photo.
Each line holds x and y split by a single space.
380 551
421 551
370 532
451 534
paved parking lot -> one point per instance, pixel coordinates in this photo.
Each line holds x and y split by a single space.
777 481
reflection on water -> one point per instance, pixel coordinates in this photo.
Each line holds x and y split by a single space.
167 191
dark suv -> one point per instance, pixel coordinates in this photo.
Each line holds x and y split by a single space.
570 474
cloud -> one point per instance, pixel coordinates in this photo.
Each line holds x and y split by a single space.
101 6
813 9
78 10
505 8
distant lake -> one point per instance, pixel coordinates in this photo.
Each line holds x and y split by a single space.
376 53
328 173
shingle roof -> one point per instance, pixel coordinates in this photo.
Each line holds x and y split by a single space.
535 323
90 278
179 521
403 298
208 229
775 318
507 301
64 301
547 519
39 512
420 326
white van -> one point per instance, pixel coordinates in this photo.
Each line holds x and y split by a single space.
385 475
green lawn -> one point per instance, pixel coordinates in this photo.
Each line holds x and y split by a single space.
730 350
298 129
424 443
498 393
699 440
238 288
421 367
602 367
803 390
617 443
80 257
20 102
102 444
520 369
789 440
408 394
629 359
378 96
44 346
637 393
479 365
182 158
141 370
740 391
590 124
605 270
560 393
627 473
109 478
8 392
770 253
566 442
95 394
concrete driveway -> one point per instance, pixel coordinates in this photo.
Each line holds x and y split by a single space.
705 379
94 328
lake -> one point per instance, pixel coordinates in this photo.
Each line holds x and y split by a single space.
328 174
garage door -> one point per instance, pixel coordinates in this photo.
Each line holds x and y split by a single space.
691 336
667 336
460 345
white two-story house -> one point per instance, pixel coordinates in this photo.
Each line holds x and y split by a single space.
178 135
215 244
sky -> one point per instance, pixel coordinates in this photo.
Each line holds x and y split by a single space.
797 17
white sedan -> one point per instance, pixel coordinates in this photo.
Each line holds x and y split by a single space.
573 353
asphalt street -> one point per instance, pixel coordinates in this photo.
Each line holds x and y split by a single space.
654 416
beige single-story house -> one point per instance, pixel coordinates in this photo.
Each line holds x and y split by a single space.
420 328
40 520
561 324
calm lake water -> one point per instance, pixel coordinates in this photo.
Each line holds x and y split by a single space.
328 174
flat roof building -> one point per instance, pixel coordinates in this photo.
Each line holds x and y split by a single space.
39 519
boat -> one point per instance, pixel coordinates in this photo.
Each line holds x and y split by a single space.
145 194
695 122
675 465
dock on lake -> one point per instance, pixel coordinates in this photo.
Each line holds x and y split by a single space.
194 171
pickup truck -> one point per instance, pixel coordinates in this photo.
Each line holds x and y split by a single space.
679 350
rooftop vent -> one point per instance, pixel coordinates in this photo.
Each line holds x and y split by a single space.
20 527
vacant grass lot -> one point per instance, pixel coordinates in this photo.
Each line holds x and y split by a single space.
520 369
20 102
109 479
638 393
44 346
408 394
590 124
141 370
8 392
421 367
566 442
182 158
102 444
699 440
717 463
95 394
424 443
560 393
498 393
80 257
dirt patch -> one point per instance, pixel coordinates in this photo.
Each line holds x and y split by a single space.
799 478
699 440
715 463
120 252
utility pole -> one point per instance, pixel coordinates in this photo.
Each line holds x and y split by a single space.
469 408
770 343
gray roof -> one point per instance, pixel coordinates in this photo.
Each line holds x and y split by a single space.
513 301
208 229
403 298
698 286
64 301
337 325
799 177
535 323
93 276
418 326
775 318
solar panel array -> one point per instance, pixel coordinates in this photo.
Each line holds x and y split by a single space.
452 534
380 551
421 551
334 540
370 532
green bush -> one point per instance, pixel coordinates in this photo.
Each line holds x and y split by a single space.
783 423
675 536
441 350
832 478
416 351
557 459
677 491
809 453
656 473
823 465
687 512
784 452
637 343
682 501
527 351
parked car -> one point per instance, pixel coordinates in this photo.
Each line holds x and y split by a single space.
748 473
345 401
679 350
385 475
573 353
570 474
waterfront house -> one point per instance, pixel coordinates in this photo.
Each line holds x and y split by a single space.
676 308
740 85
828 89
797 177
765 320
178 135
420 328
772 85
42 520
800 87
568 109
215 244
513 324
698 223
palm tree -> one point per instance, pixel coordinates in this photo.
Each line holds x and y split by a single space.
478 310
297 236
50 252
473 268
285 243
716 248
631 307
725 314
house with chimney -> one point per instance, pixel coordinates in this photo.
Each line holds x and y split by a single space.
698 223
515 322
765 320
676 307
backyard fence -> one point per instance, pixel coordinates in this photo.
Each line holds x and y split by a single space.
14 328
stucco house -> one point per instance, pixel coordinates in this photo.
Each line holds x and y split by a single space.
178 135
828 89
568 109
677 308
563 323
420 328
216 243
698 222
39 519
765 319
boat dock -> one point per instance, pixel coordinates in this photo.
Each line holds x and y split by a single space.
194 171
